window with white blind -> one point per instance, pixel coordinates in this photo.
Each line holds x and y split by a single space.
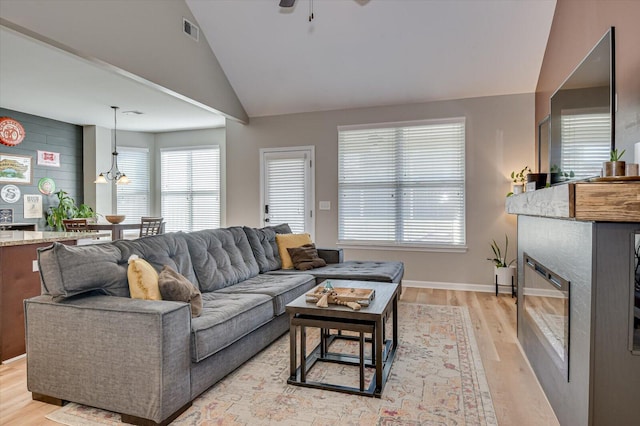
190 188
402 184
586 142
133 200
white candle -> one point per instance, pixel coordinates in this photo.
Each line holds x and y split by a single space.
637 161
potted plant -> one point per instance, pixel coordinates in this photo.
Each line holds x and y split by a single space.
502 270
66 209
539 178
518 179
614 167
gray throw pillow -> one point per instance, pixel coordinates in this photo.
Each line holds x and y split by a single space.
174 286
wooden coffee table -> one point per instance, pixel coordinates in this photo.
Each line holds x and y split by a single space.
368 320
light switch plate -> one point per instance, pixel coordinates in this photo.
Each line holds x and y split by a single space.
325 205
34 266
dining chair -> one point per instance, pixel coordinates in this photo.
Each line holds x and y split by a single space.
75 225
150 226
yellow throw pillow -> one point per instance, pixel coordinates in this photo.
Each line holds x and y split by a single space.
286 241
143 279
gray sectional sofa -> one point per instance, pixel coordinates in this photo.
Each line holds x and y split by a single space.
90 343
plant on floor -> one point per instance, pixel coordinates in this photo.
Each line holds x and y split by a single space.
498 259
66 209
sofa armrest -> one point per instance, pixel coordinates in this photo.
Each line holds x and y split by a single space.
331 255
125 355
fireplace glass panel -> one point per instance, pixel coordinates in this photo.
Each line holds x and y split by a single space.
635 331
546 310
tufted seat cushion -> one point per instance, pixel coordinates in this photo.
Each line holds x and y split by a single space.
391 272
226 318
283 288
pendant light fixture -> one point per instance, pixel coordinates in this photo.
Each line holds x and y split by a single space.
114 173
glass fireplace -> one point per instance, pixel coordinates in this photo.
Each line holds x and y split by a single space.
546 310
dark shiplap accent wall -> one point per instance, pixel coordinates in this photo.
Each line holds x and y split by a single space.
47 135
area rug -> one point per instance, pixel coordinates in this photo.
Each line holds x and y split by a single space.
437 378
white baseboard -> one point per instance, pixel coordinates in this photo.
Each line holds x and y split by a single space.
6 361
482 288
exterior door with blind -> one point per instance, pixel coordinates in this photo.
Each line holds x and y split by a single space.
287 188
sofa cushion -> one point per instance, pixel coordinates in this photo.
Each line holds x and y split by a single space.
286 241
306 257
159 250
69 270
354 270
225 318
221 257
282 288
175 287
143 280
264 246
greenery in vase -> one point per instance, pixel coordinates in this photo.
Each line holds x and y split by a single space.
521 176
498 259
66 209
615 156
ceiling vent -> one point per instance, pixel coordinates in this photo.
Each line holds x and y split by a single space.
190 29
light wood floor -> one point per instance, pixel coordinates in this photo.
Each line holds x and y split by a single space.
517 396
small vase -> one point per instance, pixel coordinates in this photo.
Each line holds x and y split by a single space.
518 188
614 168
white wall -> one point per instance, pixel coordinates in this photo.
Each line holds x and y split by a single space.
500 139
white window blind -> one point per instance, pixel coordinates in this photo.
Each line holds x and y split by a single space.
403 184
190 189
133 199
586 142
286 191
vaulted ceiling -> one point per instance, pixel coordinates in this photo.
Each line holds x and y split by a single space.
354 53
358 53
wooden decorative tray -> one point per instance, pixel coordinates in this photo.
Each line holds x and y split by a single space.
358 295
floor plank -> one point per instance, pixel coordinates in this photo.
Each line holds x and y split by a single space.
517 396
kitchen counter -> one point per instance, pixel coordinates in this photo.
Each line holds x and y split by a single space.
17 238
19 279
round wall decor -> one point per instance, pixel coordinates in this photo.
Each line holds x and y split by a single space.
46 186
10 193
11 132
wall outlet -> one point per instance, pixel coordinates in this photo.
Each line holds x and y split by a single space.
325 205
34 266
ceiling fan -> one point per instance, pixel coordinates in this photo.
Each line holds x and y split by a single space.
289 3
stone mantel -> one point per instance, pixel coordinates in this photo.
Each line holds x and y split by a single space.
547 202
595 200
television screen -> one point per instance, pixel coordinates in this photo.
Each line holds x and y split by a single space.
582 117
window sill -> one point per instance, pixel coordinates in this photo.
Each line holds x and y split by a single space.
375 245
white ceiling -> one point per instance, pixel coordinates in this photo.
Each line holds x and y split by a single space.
358 53
42 80
355 53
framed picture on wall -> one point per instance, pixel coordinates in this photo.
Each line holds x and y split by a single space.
15 169
6 215
46 158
